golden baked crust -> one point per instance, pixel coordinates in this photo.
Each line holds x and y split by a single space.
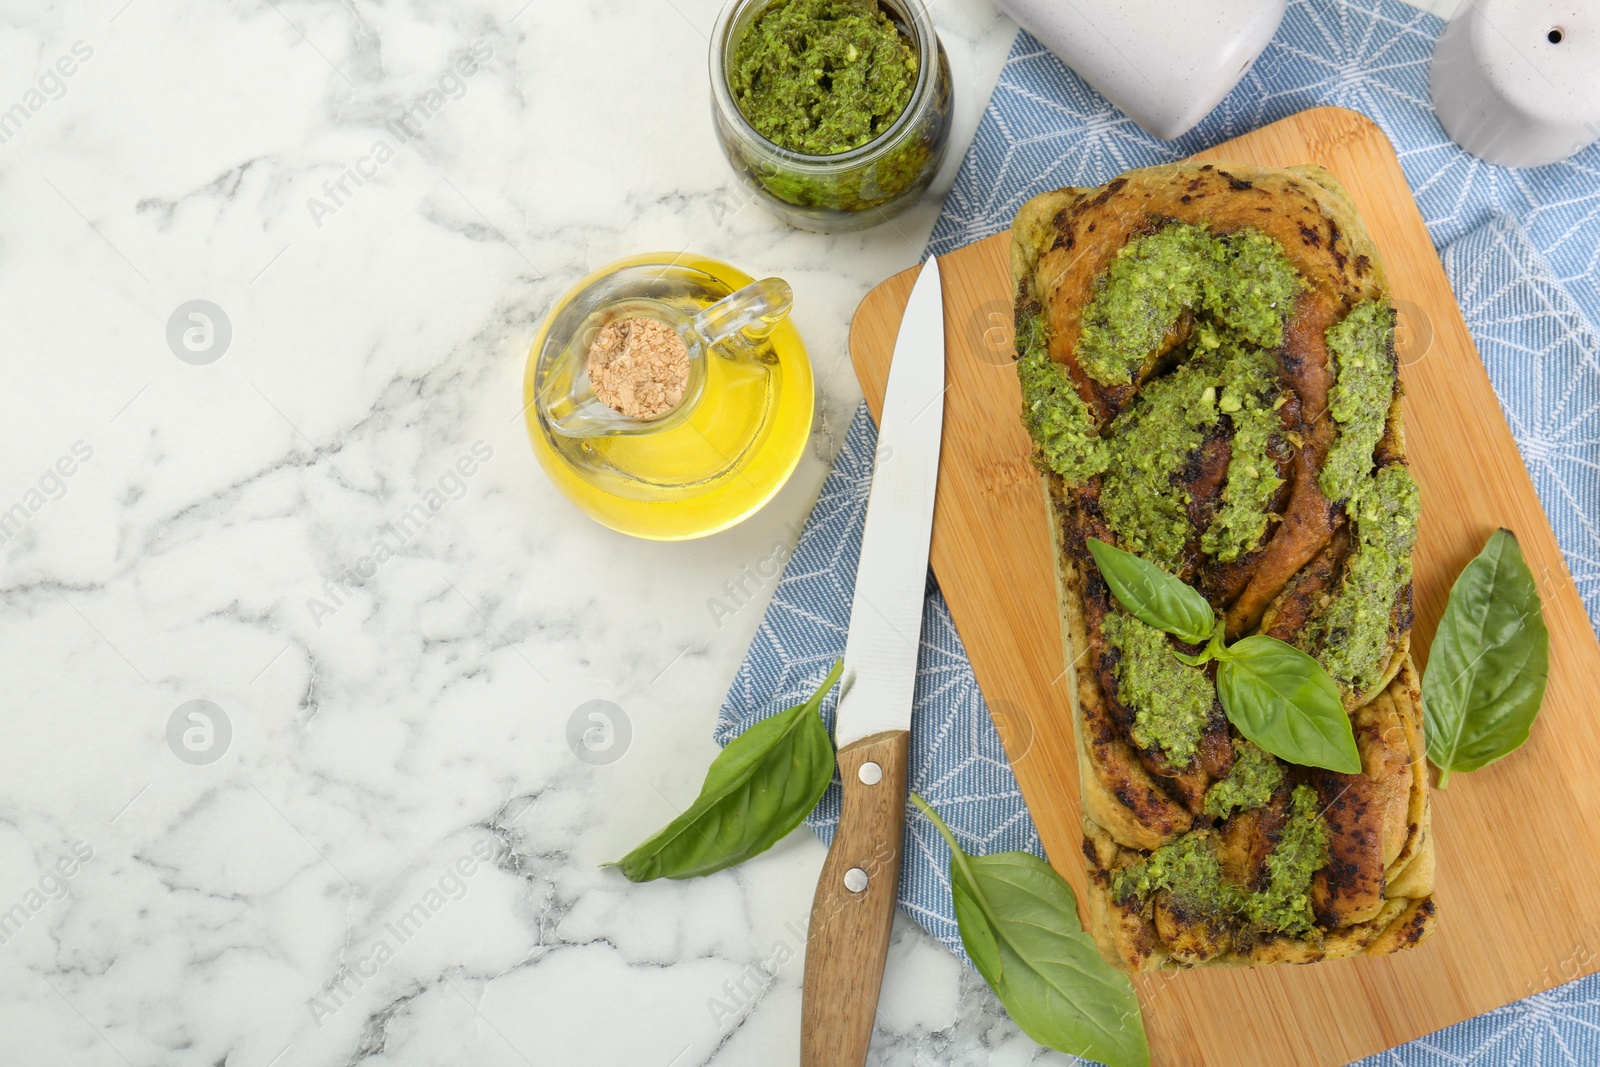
1375 894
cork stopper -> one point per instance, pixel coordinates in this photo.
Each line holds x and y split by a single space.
638 367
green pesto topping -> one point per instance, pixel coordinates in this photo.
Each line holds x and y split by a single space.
1188 869
1302 850
1149 283
1240 287
1361 350
822 77
1255 776
1254 291
1150 443
1242 282
1249 397
1352 636
1055 414
1170 701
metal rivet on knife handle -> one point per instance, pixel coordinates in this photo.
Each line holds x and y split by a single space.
870 773
855 879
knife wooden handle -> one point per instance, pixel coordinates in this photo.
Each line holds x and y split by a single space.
850 921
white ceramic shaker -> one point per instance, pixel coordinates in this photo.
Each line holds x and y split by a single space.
1166 64
1517 82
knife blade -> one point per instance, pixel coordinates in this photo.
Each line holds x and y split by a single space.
853 909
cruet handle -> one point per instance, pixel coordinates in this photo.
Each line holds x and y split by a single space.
754 311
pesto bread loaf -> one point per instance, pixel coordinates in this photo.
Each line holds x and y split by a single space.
1206 354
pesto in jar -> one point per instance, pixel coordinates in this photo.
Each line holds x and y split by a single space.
821 77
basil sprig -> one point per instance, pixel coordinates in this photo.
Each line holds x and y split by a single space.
1284 701
1019 923
1153 596
1488 664
1276 695
1018 919
760 787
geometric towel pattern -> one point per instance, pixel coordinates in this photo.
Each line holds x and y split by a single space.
1522 250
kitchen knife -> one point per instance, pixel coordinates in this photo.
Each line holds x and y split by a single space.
853 909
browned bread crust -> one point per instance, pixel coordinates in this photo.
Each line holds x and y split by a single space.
1375 894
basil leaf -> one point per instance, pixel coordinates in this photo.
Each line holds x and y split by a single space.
759 788
1019 923
1488 664
1284 701
976 934
1152 595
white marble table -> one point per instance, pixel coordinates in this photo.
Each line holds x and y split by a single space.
393 856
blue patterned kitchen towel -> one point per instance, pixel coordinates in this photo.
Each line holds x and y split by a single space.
1543 356
1522 249
957 760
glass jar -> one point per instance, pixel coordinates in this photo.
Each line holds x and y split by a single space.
850 190
730 443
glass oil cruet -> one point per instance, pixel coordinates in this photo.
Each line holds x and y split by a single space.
730 441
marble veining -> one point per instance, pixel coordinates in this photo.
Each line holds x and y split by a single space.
312 510
374 842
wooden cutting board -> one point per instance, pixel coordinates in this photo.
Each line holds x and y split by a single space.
1518 843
